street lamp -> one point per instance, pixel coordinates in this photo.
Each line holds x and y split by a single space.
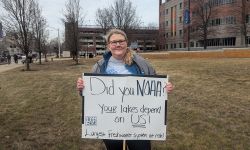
59 47
86 52
58 40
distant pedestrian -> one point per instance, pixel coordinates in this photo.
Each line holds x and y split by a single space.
9 58
15 58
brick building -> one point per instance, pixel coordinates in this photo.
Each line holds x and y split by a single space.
225 25
146 38
92 38
171 24
162 29
8 45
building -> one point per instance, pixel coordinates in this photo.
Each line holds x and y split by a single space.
226 25
146 38
92 39
8 45
171 24
162 27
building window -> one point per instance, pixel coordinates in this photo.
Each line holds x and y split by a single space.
230 41
248 40
191 44
180 32
180 45
180 6
221 2
217 21
180 19
230 20
248 18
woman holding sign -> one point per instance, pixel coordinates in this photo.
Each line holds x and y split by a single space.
120 59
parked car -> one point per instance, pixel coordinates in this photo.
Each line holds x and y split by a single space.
19 56
23 57
90 54
100 52
34 55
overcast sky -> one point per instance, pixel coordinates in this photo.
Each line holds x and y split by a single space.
147 10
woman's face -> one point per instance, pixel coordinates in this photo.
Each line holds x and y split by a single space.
118 46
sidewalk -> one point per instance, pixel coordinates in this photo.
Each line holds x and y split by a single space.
5 67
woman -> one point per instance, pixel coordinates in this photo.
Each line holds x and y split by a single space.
122 60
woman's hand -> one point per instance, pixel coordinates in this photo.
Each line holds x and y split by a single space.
169 87
80 84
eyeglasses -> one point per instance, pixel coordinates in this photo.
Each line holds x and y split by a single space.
114 43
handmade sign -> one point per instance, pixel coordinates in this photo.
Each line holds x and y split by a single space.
124 107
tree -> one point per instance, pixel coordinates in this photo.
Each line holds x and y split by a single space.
18 20
53 46
152 25
71 21
39 26
103 18
200 22
120 15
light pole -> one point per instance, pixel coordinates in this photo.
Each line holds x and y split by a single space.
59 47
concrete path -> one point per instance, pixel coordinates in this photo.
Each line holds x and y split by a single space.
5 67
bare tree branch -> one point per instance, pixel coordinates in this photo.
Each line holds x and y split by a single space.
120 15
203 12
72 18
39 27
18 21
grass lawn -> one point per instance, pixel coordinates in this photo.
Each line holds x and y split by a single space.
208 110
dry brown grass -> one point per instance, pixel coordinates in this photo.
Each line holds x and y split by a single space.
209 108
227 53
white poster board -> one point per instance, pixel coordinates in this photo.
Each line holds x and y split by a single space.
124 107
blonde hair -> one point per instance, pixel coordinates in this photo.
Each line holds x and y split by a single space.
128 58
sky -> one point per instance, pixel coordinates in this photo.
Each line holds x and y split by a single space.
147 10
